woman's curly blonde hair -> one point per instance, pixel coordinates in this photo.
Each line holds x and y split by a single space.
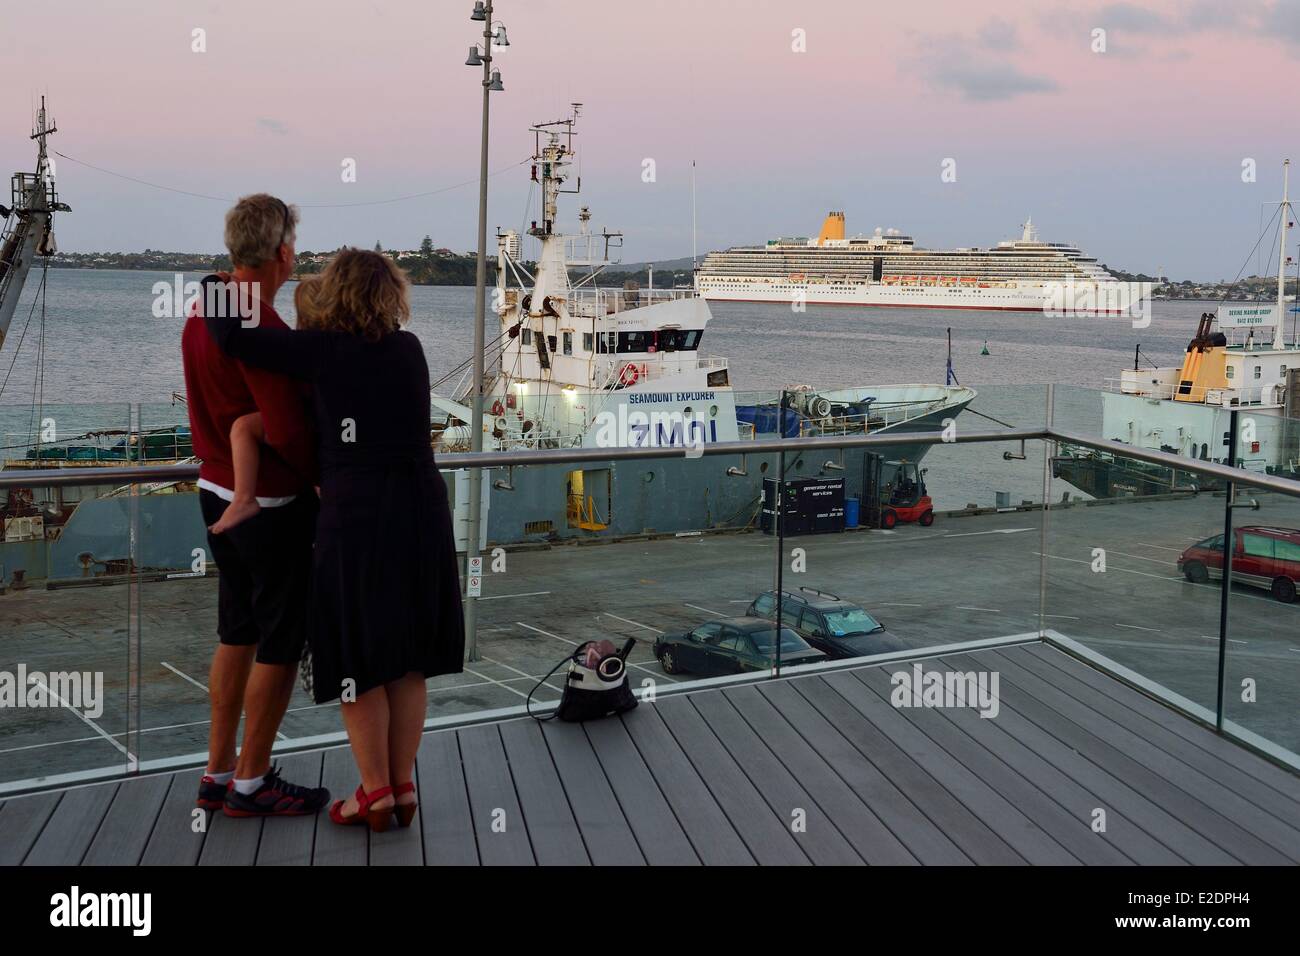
307 301
360 292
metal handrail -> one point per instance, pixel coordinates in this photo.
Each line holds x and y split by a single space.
1284 486
59 477
64 477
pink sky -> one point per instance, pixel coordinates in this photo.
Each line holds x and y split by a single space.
1135 153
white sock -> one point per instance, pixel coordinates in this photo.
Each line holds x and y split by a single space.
226 777
248 786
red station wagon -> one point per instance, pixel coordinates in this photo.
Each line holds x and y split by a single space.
1264 557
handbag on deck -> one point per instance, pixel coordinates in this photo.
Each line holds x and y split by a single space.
595 686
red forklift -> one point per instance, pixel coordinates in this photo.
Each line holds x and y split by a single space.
895 492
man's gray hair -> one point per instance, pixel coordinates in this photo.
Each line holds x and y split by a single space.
255 227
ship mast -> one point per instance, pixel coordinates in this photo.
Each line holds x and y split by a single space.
34 205
1279 330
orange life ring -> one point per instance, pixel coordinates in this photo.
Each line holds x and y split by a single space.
497 408
627 375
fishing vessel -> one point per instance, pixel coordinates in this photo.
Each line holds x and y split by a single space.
1238 360
575 365
887 268
28 223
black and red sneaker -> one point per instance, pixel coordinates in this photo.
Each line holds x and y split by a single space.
275 798
212 795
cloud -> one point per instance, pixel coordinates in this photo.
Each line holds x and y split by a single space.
278 127
978 68
1277 20
987 82
1131 18
1282 22
998 34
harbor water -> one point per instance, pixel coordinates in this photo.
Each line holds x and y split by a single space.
104 349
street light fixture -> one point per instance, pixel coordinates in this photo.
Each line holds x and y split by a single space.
493 34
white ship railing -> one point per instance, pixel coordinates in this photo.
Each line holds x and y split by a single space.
649 367
879 417
600 302
1259 395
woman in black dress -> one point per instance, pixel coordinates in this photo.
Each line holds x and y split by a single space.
386 609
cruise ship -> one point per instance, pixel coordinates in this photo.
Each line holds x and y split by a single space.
889 269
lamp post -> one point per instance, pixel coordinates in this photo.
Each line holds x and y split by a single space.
491 84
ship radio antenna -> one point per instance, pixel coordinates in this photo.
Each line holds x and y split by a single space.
1279 329
693 265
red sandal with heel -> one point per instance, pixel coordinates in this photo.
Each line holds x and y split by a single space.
405 811
378 819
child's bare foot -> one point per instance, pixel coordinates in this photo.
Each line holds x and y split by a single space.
236 512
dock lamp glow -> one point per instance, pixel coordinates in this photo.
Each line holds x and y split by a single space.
494 34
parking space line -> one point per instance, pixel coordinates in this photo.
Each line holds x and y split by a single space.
991 610
203 687
704 609
1181 580
49 743
648 670
896 604
184 676
86 720
502 597
1136 627
547 633
1139 557
513 690
634 623
1160 577
524 674
201 723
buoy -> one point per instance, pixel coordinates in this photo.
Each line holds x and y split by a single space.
985 350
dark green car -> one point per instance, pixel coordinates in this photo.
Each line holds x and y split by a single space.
731 646
839 628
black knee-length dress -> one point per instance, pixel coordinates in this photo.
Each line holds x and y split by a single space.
386 587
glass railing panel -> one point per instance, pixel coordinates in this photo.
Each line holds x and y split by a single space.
178 594
1191 430
65 557
939 540
667 553
1262 663
980 476
1116 580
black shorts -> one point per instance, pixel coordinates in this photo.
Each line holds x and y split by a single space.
264 588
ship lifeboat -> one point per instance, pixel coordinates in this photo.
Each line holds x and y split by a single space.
968 280
797 277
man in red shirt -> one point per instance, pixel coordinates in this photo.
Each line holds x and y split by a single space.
265 562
